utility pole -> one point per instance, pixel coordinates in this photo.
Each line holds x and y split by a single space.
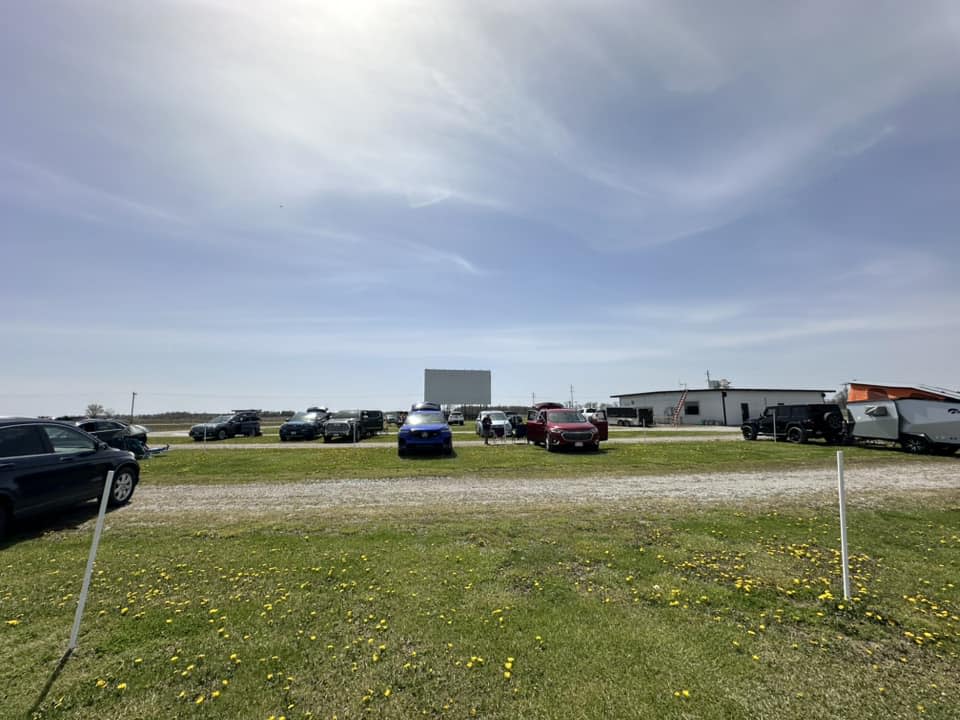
533 399
133 399
571 396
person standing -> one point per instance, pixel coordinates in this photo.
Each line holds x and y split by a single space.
486 425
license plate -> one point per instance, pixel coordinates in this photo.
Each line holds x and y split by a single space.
579 444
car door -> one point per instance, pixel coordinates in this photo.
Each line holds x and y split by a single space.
28 470
599 420
82 468
536 428
765 425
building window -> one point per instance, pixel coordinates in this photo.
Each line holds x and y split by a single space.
691 408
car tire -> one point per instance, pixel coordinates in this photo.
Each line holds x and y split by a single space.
282 439
796 434
448 450
221 434
326 438
401 452
124 482
6 520
833 421
595 447
914 444
547 444
749 432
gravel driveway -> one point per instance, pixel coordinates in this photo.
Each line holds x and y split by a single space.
460 492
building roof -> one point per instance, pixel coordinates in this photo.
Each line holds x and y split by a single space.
690 391
859 392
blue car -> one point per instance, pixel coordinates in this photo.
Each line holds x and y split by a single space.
424 430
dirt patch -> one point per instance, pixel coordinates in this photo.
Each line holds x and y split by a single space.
862 483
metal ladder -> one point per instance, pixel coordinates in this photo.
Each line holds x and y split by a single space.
678 410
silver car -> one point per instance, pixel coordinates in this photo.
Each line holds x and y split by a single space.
499 424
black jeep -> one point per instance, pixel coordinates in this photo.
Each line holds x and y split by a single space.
798 423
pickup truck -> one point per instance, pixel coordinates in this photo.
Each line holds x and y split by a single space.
352 425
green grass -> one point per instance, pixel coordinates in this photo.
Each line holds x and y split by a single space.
649 611
500 460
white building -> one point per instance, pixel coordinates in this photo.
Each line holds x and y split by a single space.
717 405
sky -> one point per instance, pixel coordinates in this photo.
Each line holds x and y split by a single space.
277 204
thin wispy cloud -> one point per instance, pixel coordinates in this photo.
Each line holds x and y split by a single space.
541 188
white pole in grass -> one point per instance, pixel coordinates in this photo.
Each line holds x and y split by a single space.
843 526
108 485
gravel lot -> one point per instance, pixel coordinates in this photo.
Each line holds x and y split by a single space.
862 483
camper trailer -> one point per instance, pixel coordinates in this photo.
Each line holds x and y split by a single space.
922 419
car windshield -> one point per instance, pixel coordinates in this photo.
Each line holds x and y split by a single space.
566 416
424 418
497 416
221 419
303 417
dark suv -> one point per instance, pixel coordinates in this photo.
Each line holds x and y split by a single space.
798 423
46 464
304 425
240 422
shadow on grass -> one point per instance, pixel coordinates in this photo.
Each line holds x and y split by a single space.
428 455
49 684
70 518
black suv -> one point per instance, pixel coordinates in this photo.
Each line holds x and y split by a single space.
241 422
46 464
304 425
798 423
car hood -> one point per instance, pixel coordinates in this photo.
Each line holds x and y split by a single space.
297 423
430 427
573 426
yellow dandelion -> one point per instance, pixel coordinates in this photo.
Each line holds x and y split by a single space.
121 686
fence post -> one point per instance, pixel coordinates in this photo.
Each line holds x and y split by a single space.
843 526
81 603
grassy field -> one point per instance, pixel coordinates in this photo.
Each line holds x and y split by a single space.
501 460
654 611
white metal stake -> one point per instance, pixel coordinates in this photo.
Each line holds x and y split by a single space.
774 425
108 485
843 527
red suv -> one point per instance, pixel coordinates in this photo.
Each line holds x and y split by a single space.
554 427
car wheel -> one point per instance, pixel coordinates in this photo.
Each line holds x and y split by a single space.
326 438
547 444
749 432
595 447
282 439
833 421
914 444
124 481
401 452
796 434
221 435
